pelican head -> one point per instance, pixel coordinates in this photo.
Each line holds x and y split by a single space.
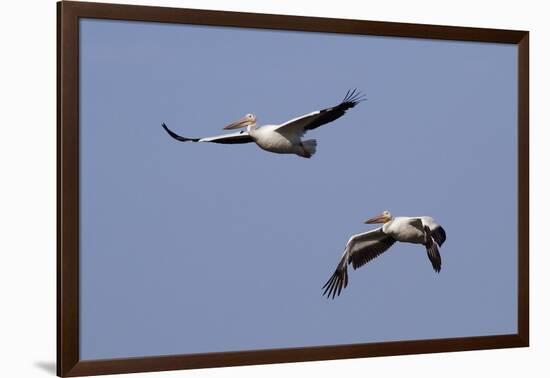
247 120
380 218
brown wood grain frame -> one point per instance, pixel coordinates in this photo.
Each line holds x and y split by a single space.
68 16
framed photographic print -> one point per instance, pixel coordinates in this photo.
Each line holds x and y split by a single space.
239 188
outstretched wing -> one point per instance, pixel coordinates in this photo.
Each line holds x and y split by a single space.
232 138
364 251
360 249
299 126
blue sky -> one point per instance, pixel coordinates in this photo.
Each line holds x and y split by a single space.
189 248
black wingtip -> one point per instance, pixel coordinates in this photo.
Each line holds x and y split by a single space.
432 250
176 136
439 235
338 281
352 98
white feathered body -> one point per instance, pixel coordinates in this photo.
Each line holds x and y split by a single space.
409 229
269 139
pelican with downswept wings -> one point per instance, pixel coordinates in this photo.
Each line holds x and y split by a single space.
362 248
285 138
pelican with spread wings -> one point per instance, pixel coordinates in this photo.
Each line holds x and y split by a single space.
285 138
362 248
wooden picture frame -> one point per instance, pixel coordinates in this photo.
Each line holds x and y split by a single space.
68 14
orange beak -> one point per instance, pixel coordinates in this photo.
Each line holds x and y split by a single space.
380 218
243 122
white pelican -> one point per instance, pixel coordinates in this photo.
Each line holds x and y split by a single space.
284 138
364 247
